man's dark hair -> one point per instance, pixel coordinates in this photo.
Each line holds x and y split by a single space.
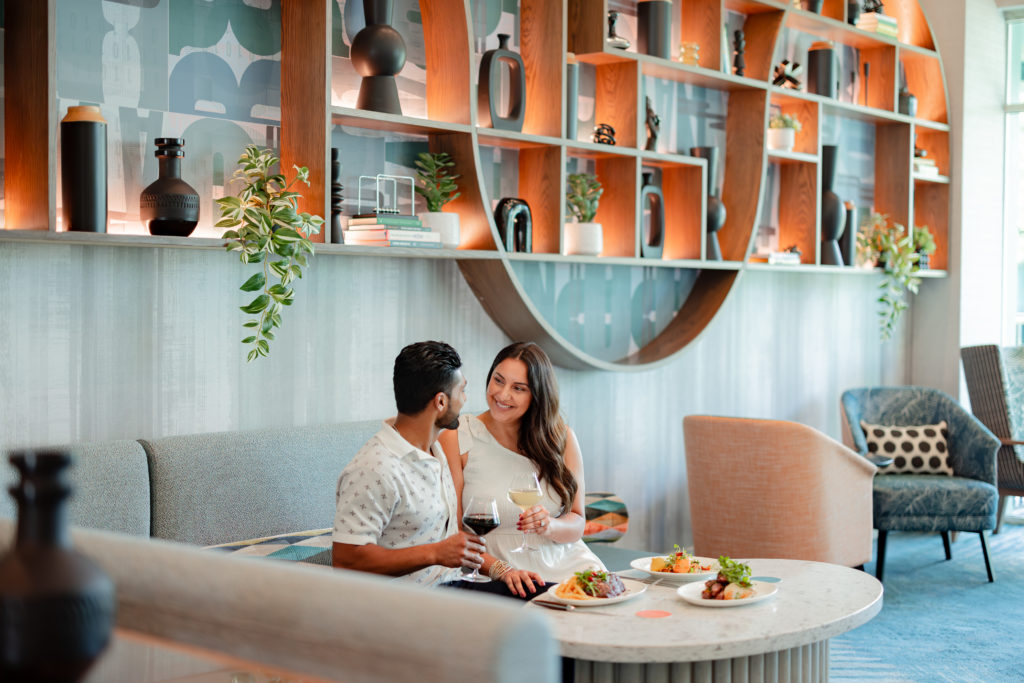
421 371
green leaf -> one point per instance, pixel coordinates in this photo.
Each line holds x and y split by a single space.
251 323
257 304
254 283
263 346
249 340
252 356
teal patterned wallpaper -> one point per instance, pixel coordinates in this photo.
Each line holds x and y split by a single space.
207 71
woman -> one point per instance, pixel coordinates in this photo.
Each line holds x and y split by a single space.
522 431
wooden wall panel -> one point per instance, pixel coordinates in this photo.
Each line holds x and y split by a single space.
744 172
540 170
617 100
759 32
306 100
542 40
798 210
893 151
684 211
617 212
30 115
931 208
448 49
701 22
586 26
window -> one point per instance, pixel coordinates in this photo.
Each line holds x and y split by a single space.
1014 202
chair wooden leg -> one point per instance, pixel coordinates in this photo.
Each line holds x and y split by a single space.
945 544
984 551
881 554
1000 511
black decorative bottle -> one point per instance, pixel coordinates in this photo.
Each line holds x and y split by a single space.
169 206
83 169
715 214
378 55
56 605
488 89
833 212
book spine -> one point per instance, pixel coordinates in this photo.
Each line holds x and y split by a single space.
419 245
404 221
374 235
355 227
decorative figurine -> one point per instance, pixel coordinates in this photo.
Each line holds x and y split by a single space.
515 224
378 54
875 6
653 123
604 134
739 44
786 74
614 40
852 11
867 71
337 234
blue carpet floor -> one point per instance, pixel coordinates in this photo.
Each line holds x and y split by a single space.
942 621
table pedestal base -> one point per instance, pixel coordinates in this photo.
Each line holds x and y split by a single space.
808 663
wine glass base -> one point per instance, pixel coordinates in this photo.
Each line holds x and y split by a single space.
479 578
520 549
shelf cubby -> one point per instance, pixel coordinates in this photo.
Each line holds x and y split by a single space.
798 209
685 191
893 153
921 73
807 112
618 210
931 208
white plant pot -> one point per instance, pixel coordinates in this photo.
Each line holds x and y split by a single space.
583 239
447 224
781 139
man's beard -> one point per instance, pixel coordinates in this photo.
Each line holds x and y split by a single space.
449 420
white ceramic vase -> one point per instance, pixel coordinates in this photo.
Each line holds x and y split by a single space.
583 239
447 224
781 139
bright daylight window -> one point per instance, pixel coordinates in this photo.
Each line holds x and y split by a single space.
1014 203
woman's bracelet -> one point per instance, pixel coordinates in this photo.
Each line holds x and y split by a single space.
499 569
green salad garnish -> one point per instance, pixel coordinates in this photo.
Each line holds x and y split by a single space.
671 558
734 571
586 579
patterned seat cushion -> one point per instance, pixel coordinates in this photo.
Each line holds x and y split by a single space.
607 518
310 547
933 502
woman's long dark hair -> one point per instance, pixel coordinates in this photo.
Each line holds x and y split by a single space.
542 431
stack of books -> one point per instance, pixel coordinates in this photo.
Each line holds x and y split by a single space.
923 166
879 23
381 230
783 258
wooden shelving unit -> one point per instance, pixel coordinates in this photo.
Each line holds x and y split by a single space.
547 31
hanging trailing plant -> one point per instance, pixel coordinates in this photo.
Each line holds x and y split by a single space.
265 227
888 244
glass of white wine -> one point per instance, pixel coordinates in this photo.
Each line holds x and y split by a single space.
525 492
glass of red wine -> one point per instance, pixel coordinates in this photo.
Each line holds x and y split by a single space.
481 516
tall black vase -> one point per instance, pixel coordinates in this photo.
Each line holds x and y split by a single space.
488 94
848 240
56 606
83 169
378 54
337 236
833 213
572 96
652 207
169 205
715 215
654 28
821 70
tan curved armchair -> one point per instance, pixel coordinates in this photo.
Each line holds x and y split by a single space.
769 488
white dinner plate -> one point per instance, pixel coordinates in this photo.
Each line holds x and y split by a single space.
633 589
644 564
762 591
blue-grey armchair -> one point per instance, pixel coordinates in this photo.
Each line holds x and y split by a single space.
965 501
995 383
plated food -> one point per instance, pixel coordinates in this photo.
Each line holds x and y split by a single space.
732 587
678 566
592 587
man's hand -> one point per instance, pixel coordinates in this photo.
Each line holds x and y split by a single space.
461 550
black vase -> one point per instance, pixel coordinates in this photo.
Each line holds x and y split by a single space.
337 236
169 205
848 240
852 11
56 605
654 28
83 169
515 224
907 103
378 54
652 207
715 216
833 213
813 6
821 71
488 94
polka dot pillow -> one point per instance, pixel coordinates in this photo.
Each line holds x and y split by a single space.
916 449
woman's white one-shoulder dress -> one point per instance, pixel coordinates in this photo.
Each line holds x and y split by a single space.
489 470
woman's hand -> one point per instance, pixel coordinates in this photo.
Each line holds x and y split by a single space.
536 520
519 581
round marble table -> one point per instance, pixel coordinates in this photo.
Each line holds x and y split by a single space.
783 638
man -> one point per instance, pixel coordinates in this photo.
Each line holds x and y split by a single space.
396 507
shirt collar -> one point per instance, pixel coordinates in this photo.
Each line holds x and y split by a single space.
397 444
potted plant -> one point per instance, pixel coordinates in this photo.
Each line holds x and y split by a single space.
438 188
583 194
887 244
924 245
265 227
782 130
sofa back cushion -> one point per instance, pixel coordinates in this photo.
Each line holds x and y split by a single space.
109 487
226 486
